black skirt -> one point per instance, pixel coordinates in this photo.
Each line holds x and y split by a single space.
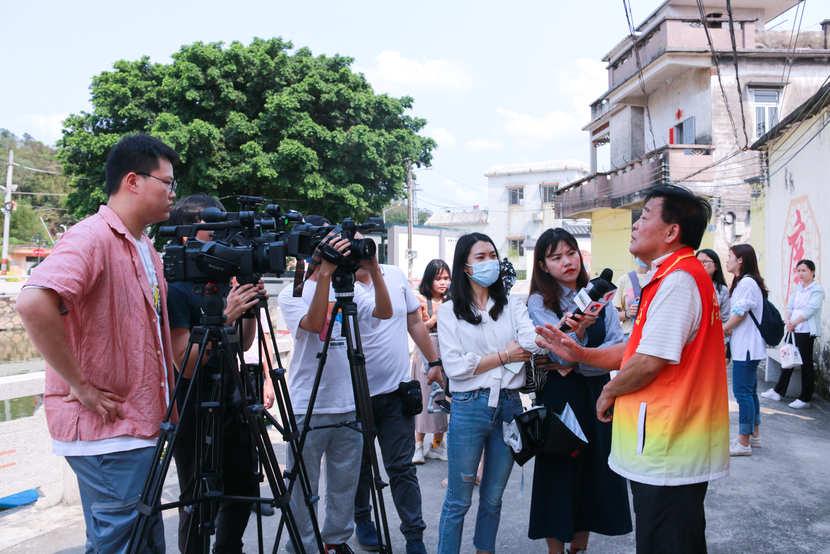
581 493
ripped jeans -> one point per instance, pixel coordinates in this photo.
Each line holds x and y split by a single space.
475 427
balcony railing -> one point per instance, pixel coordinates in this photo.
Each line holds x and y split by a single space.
628 184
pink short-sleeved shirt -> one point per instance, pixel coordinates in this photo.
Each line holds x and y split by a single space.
111 326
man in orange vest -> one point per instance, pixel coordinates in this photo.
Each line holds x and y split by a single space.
669 401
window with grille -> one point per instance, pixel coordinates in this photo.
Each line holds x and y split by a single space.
516 196
548 194
766 110
515 245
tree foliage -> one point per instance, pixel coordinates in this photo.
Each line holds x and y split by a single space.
400 212
303 131
37 195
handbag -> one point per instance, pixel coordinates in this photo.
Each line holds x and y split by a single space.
535 377
790 356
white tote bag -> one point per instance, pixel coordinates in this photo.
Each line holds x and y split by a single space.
790 356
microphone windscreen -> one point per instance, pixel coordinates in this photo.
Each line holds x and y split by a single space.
607 274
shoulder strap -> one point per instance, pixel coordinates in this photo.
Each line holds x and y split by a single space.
635 283
429 307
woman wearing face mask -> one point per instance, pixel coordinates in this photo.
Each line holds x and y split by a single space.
589 496
711 263
803 320
485 338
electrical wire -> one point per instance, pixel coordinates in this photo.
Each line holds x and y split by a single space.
44 171
717 67
788 61
737 78
629 16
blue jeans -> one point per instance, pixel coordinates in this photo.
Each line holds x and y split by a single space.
475 427
745 389
110 485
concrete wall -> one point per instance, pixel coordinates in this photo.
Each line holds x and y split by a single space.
628 131
9 318
795 206
688 93
610 239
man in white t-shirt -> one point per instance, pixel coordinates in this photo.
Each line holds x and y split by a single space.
96 310
306 311
387 366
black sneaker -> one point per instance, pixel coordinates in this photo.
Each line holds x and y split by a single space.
415 546
338 549
367 535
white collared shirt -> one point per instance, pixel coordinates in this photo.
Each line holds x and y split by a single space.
463 345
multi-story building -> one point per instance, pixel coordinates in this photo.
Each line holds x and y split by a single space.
687 94
521 204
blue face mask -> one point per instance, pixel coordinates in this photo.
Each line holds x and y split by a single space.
485 273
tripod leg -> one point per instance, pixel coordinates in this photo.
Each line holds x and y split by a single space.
365 414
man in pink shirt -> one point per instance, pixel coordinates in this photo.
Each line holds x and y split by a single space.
96 311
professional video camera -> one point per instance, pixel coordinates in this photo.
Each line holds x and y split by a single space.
244 247
242 244
359 249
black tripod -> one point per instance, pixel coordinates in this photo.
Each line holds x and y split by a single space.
343 281
225 346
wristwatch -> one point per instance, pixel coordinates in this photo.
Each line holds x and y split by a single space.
435 363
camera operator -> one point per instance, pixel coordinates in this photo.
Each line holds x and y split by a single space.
238 456
387 366
306 311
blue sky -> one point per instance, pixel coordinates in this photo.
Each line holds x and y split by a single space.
499 82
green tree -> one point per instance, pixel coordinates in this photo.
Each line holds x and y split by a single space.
305 132
399 212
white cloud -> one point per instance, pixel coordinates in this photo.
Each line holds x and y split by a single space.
392 71
442 136
482 145
576 86
530 131
584 80
45 128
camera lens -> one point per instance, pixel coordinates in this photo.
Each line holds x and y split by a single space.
364 248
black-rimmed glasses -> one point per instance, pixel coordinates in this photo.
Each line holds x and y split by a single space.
171 185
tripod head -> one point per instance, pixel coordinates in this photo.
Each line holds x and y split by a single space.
213 303
342 280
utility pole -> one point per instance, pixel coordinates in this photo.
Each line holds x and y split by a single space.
410 194
7 215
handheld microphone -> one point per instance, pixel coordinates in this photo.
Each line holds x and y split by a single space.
592 298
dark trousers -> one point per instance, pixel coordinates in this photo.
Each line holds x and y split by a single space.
804 343
238 468
396 436
670 520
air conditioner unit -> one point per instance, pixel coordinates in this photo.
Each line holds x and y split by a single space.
537 216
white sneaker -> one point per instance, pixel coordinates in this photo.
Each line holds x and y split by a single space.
755 442
437 452
798 404
772 395
418 458
737 449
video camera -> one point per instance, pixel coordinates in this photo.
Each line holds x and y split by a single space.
359 249
245 247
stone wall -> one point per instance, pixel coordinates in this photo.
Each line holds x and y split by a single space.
9 318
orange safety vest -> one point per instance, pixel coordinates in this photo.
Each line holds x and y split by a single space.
675 430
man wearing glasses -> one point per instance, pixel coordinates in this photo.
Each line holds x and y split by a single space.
96 311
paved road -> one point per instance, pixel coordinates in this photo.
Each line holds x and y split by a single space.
774 501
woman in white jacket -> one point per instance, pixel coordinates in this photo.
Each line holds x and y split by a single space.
803 320
485 338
